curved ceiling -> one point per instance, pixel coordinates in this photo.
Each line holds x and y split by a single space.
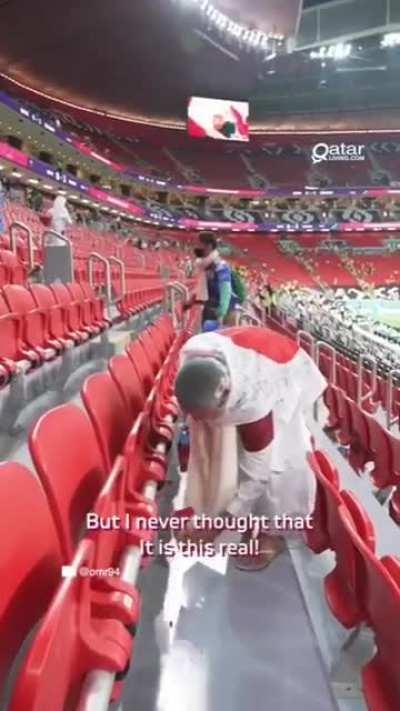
142 59
139 58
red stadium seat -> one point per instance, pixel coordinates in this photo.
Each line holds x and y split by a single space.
73 311
78 634
4 274
140 360
35 331
10 343
381 601
359 440
385 453
318 537
151 347
344 418
341 585
331 402
110 416
87 316
57 318
394 506
97 304
16 270
129 384
30 559
69 463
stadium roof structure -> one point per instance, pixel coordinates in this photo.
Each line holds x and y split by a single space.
140 61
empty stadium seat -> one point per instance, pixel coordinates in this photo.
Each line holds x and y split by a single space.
129 384
384 452
381 601
341 585
79 634
359 440
57 316
68 460
87 314
30 559
140 360
35 333
109 414
318 538
16 272
97 304
73 310
148 340
12 358
4 273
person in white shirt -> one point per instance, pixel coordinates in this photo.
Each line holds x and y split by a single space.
59 214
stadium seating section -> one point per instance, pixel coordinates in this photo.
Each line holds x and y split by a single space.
312 267
108 456
256 166
120 445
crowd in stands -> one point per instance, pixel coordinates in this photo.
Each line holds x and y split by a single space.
346 319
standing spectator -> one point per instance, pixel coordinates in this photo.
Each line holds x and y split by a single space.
60 217
222 299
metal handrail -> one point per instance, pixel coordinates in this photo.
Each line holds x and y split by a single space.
121 265
261 310
389 400
61 237
16 224
173 288
360 395
182 288
248 317
95 256
325 346
305 334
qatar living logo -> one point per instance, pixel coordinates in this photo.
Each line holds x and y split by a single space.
337 151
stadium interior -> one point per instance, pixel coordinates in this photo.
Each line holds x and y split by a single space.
304 203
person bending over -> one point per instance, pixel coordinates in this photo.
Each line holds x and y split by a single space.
246 392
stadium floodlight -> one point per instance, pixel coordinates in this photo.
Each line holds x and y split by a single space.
337 52
253 37
391 39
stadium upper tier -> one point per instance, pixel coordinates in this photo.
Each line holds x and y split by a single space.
256 167
169 160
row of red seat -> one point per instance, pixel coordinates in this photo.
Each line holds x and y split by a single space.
144 295
85 241
368 441
40 322
12 270
97 461
346 375
355 426
362 588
